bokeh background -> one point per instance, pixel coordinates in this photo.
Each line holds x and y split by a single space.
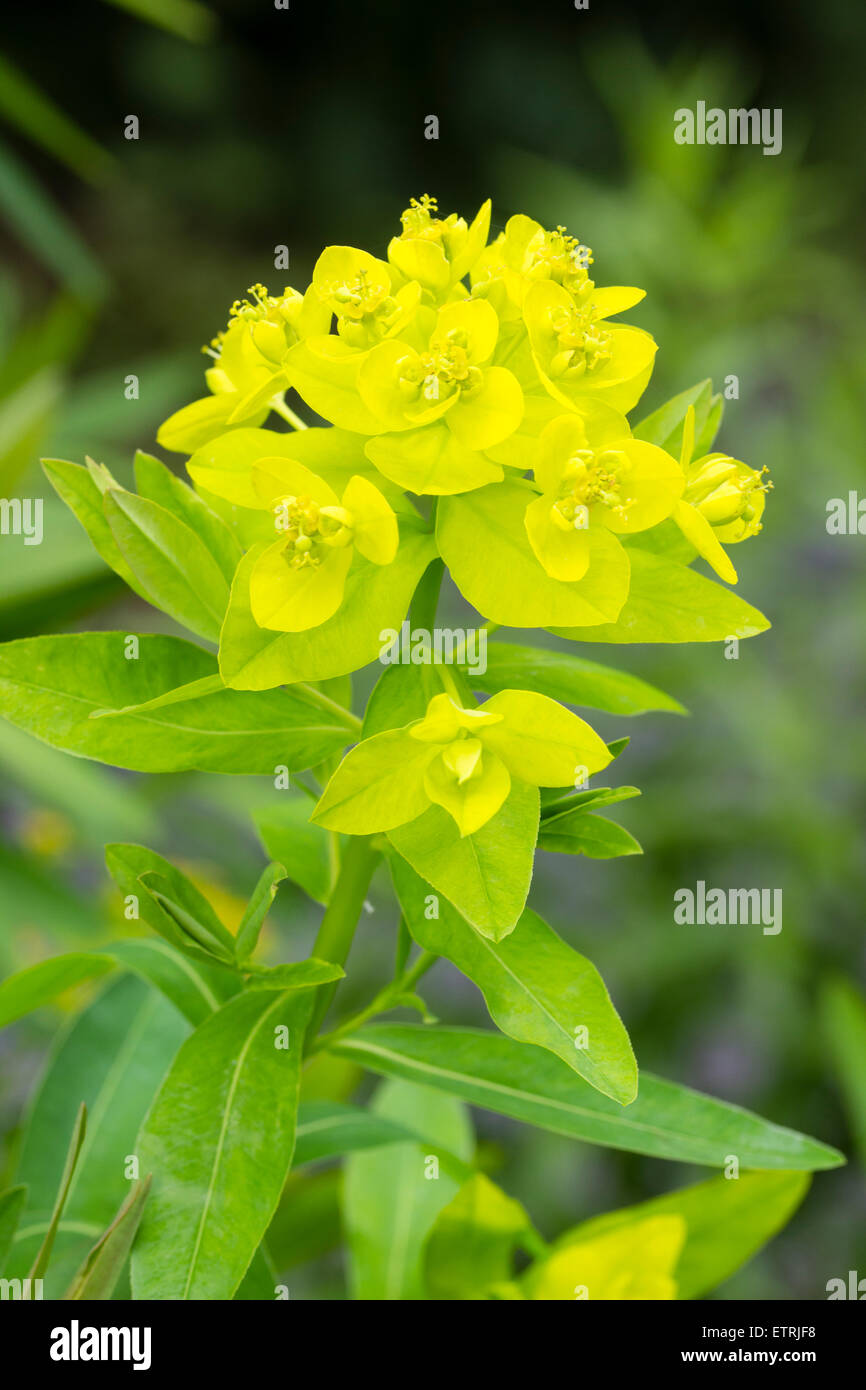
261 127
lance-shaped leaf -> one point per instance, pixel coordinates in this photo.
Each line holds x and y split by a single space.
570 679
43 1254
843 1014
163 709
668 602
538 990
486 875
113 1057
213 937
219 1140
170 561
727 1221
581 833
300 974
328 1128
195 987
531 1085
291 838
257 910
664 426
98 1276
158 484
40 984
82 489
390 1202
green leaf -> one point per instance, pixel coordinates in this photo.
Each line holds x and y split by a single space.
400 695
11 1205
570 679
78 488
473 1241
51 686
158 484
390 1202
561 807
43 1254
527 1083
300 974
40 984
195 988
98 1276
214 938
843 1015
170 562
727 1222
376 598
186 18
303 848
257 909
24 105
129 866
595 836
668 602
327 1129
538 990
664 426
219 1141
113 1057
483 541
485 875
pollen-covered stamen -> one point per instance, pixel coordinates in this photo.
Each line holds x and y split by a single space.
583 344
562 258
589 480
310 530
441 371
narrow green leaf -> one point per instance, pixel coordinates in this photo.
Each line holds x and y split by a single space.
50 687
113 1057
327 1129
538 990
391 1199
219 1140
561 807
664 426
214 938
98 1276
40 984
581 833
485 875
529 1084
158 484
301 974
195 988
170 561
43 1255
77 487
257 910
570 679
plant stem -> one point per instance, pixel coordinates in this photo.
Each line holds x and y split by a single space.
326 703
341 917
384 1000
289 415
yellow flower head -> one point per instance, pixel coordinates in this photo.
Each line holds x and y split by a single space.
437 251
358 288
298 582
593 473
723 501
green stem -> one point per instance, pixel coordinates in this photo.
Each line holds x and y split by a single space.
341 917
325 702
289 415
381 1003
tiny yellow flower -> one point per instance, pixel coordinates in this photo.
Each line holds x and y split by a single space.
436 252
723 501
298 582
595 474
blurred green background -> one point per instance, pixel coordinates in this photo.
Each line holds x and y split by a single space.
261 127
